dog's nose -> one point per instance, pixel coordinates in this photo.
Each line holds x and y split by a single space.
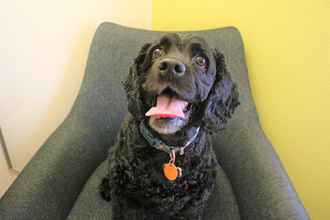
170 67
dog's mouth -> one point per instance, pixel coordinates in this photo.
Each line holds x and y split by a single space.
168 105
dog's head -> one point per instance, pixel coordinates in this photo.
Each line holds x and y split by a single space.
178 83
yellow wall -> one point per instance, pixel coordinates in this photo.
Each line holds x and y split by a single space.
287 49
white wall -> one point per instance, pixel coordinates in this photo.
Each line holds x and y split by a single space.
43 51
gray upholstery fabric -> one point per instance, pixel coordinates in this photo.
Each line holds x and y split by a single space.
49 185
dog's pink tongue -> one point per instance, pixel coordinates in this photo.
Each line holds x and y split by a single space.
168 107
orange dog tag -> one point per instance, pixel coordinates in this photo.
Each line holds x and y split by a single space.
171 172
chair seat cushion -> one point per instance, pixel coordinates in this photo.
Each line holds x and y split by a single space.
90 205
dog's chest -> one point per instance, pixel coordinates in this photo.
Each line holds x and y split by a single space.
146 184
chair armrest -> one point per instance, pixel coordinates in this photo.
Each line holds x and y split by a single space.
260 183
50 183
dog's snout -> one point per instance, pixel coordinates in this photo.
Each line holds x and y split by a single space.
170 67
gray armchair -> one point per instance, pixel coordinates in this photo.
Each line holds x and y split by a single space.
61 181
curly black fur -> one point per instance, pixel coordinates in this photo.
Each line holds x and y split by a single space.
222 100
135 182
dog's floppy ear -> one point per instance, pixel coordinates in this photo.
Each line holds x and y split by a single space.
222 99
132 85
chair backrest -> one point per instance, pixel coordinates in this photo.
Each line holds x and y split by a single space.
260 183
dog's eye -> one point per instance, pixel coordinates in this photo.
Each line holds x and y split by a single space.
201 61
158 52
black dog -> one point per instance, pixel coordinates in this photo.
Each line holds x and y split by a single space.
163 165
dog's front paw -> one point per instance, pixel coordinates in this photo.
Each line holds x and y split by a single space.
105 189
